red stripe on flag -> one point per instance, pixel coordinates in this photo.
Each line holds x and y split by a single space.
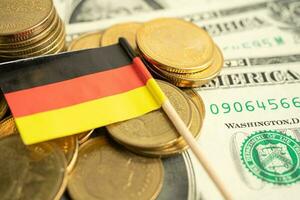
141 69
75 91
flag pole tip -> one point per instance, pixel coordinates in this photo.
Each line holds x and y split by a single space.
127 47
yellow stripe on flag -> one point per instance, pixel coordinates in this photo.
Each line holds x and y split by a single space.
155 90
89 115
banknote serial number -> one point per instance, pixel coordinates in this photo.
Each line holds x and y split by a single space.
254 105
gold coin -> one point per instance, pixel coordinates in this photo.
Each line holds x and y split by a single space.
106 171
83 137
70 146
197 121
3 107
155 73
42 50
22 17
31 172
28 34
196 98
51 38
7 127
154 129
32 40
180 145
55 46
60 47
194 79
126 30
175 45
86 41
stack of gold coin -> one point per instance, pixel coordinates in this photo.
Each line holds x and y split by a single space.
142 134
179 51
29 28
88 170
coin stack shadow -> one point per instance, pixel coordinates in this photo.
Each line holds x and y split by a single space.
35 30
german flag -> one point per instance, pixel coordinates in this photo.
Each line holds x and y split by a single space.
68 93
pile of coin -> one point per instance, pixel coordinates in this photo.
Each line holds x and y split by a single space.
29 28
69 145
92 171
142 136
88 167
179 51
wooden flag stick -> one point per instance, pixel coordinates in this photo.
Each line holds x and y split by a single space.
190 140
182 129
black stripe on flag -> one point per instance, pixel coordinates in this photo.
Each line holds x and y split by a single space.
45 70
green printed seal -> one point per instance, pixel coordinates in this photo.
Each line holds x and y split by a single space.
272 156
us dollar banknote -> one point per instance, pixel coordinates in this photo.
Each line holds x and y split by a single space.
257 27
253 104
263 26
254 144
77 11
